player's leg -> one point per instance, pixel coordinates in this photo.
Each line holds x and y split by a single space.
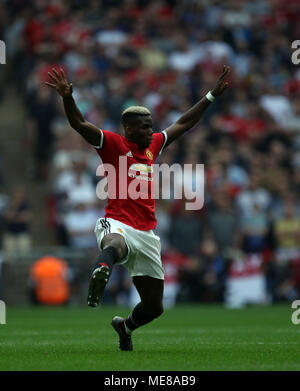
151 306
114 249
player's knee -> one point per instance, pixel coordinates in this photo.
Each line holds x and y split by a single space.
121 248
120 251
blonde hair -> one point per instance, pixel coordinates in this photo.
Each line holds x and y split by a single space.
140 110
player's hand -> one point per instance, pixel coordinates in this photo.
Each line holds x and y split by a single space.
60 83
222 84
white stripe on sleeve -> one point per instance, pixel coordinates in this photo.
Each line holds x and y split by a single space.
164 143
101 140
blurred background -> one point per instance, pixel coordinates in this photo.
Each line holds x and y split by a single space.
243 247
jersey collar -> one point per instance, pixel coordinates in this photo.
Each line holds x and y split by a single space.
134 148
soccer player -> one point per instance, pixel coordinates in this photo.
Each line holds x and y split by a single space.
125 235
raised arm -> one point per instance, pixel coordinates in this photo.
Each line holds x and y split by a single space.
194 114
87 130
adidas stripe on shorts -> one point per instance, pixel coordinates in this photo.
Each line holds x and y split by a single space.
143 258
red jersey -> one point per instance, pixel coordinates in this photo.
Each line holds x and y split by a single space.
134 174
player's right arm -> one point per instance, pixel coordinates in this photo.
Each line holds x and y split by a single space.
87 130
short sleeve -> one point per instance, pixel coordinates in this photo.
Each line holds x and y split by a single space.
100 146
108 146
158 143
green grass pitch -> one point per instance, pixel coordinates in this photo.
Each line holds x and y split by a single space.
184 338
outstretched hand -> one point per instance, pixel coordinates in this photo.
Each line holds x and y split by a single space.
221 85
60 83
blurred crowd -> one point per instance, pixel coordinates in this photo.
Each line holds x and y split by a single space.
166 55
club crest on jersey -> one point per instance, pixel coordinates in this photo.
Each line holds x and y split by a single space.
149 154
129 154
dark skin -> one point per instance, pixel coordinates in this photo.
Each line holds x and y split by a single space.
140 132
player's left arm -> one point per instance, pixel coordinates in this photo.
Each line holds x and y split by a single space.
195 113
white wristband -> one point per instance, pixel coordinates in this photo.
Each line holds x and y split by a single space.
209 96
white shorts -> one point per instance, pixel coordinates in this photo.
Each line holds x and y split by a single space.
143 258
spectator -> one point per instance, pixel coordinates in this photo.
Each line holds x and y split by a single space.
79 223
277 105
17 218
246 282
253 196
223 222
287 233
254 229
49 281
184 58
212 272
42 111
186 231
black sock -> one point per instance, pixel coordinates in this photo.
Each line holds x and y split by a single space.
139 317
108 257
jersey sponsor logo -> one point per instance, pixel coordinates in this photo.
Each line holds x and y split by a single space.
149 154
140 171
172 181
